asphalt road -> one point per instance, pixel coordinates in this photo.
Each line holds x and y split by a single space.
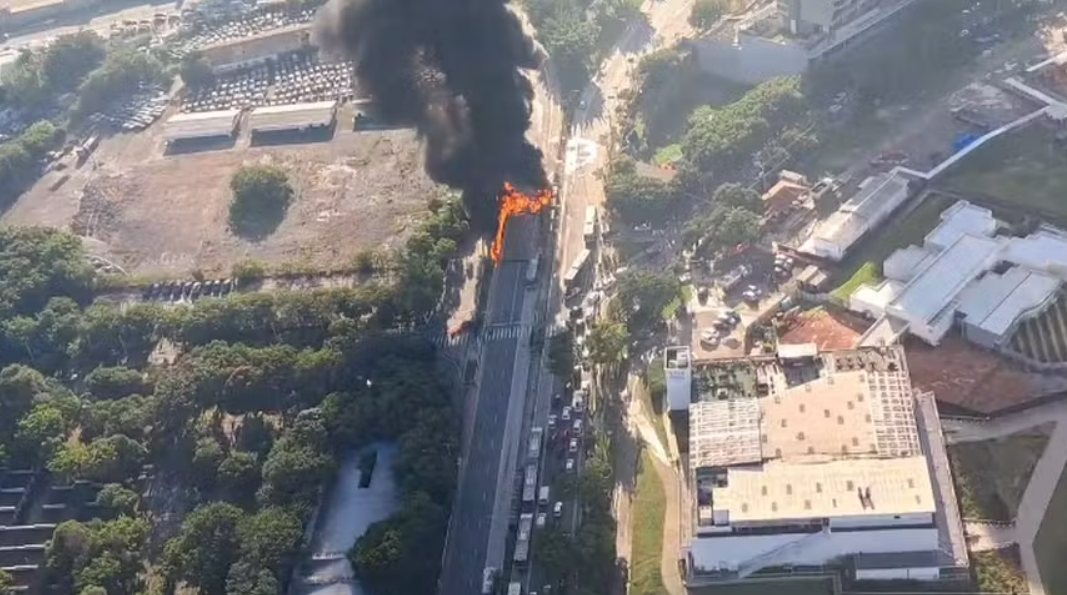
487 472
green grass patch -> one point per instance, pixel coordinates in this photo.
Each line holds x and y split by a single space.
911 229
870 273
672 307
667 155
991 475
649 512
999 571
1050 545
1021 170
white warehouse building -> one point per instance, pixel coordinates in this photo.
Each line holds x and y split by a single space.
822 465
878 198
964 273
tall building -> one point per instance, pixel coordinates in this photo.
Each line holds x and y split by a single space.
808 459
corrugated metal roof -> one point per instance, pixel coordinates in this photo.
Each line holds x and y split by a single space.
200 125
933 288
296 116
995 302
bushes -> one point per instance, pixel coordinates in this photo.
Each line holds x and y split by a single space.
261 196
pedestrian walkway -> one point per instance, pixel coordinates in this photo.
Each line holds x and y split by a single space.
983 537
672 578
1043 481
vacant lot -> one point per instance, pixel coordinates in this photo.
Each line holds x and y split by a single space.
828 330
1025 170
992 475
864 263
649 512
1050 546
968 380
159 214
1000 571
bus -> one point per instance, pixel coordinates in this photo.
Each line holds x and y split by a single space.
529 483
576 268
589 229
522 541
533 450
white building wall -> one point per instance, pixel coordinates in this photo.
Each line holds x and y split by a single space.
679 388
710 554
752 60
891 574
885 520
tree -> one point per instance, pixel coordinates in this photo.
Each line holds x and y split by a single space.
99 555
561 354
195 71
38 264
607 343
642 297
636 198
124 69
113 459
118 499
41 433
705 14
115 382
402 554
238 476
270 538
292 474
722 229
736 195
7 583
261 196
67 61
206 547
246 578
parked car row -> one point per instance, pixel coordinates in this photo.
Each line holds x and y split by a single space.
212 29
176 291
136 113
243 89
301 78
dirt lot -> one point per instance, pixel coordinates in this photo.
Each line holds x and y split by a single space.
828 330
159 214
968 379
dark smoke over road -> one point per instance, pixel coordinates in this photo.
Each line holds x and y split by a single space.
454 70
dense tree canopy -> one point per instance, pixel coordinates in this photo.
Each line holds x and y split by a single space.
642 297
635 198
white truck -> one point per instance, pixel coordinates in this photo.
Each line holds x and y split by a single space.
522 541
515 588
542 498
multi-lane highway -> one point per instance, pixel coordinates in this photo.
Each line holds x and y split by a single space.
478 530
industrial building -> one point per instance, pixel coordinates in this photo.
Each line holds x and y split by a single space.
879 196
816 460
295 117
246 52
966 275
784 37
201 125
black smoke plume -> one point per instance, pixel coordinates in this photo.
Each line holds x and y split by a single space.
454 70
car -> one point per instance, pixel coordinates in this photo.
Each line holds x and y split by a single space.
187 289
227 285
552 421
569 467
573 445
733 315
196 290
557 509
709 339
566 415
578 426
542 519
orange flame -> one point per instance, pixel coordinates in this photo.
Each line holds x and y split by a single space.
513 203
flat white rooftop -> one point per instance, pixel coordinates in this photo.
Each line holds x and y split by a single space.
201 124
783 490
933 288
295 116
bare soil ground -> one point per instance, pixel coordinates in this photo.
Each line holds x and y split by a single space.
167 214
828 330
963 376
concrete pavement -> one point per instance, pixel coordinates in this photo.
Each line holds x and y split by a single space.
1043 481
982 537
